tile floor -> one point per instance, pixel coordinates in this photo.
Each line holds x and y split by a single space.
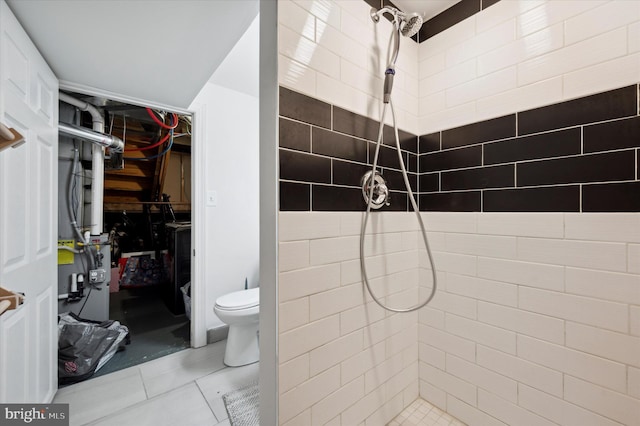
184 388
422 413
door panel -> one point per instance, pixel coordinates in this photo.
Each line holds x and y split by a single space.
28 218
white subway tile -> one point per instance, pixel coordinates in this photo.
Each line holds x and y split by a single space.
540 326
326 11
482 245
378 375
333 301
544 225
293 255
521 370
432 103
571 58
586 310
308 52
293 314
450 262
485 379
307 225
303 339
337 402
537 275
607 344
444 40
633 379
359 78
308 393
302 419
359 317
292 373
431 317
544 41
634 319
586 254
484 41
557 410
479 288
448 78
598 78
579 364
449 118
333 353
381 330
433 394
432 356
407 377
633 253
612 286
378 244
331 250
633 37
362 409
481 87
296 76
410 355
386 413
508 412
402 340
502 11
346 47
303 282
337 93
601 19
526 97
356 10
465 412
449 343
551 12
360 363
449 383
611 404
484 334
455 304
297 19
432 65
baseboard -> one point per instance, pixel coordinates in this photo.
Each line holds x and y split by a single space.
218 333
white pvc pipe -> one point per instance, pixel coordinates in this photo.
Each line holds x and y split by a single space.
97 163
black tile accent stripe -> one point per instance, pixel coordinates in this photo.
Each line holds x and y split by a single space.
581 155
603 106
304 108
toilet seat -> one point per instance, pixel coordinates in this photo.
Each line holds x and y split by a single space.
238 300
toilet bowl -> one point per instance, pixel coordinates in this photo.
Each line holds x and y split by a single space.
241 311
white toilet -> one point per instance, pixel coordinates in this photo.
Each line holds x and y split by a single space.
241 311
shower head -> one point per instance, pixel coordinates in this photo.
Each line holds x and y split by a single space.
408 23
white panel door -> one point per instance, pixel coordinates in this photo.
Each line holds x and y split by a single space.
28 218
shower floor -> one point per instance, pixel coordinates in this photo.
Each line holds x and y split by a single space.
422 413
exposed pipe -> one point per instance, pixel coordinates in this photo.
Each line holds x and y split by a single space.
107 141
97 163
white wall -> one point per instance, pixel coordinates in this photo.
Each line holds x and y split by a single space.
231 227
518 55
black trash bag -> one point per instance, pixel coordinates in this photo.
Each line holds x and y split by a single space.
84 346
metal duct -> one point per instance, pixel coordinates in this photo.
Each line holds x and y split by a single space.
107 141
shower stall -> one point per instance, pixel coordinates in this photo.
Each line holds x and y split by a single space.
517 124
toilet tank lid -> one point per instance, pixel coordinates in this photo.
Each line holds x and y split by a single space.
240 299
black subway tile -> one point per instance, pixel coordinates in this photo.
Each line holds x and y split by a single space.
602 106
336 198
479 178
349 174
295 135
408 141
611 197
483 131
454 159
545 199
377 4
429 143
486 3
398 202
451 16
429 182
395 180
552 144
354 124
295 196
412 165
304 167
587 168
304 108
387 157
612 135
339 146
451 201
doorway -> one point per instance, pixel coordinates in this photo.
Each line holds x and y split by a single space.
145 244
